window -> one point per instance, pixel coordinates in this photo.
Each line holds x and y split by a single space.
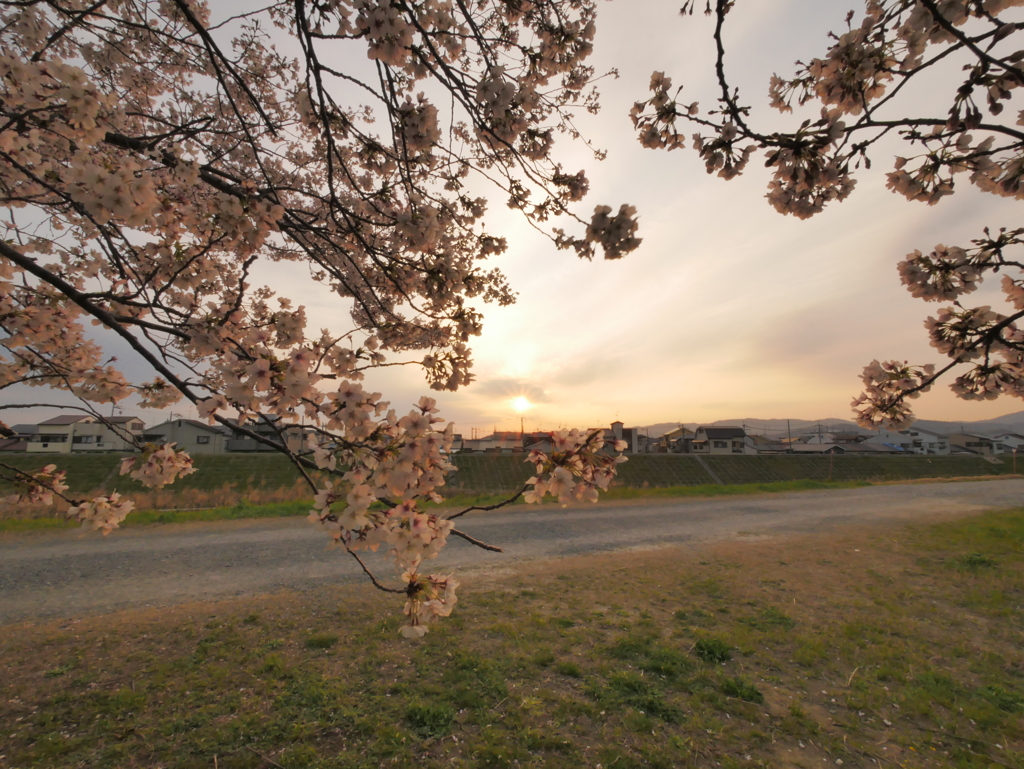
83 439
203 439
47 438
720 444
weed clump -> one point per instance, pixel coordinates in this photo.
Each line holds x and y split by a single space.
974 561
430 720
570 669
650 656
737 687
321 641
713 650
770 619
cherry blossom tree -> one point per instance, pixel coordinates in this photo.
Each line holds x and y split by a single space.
152 157
857 84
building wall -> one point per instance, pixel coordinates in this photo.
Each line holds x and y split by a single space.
190 437
85 436
52 439
975 443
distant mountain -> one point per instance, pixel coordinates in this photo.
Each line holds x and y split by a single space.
1009 423
777 428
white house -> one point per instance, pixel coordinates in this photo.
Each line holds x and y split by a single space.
913 440
1008 442
722 440
193 436
84 433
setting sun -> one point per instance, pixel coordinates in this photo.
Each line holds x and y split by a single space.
520 403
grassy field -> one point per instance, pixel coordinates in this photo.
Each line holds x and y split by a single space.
43 520
875 647
88 473
493 473
269 473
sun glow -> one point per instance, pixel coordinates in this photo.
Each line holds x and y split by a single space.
521 403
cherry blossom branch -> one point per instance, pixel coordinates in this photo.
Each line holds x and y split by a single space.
943 22
485 508
372 578
477 542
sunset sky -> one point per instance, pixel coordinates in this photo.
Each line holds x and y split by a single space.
728 309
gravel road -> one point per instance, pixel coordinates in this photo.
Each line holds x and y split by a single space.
63 574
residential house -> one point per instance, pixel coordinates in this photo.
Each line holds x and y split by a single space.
85 433
191 435
722 440
676 441
294 436
1007 443
819 448
631 435
844 439
16 437
969 443
894 439
499 442
874 448
927 442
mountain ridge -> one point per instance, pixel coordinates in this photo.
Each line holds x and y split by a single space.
779 428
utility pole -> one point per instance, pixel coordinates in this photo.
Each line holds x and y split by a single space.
789 434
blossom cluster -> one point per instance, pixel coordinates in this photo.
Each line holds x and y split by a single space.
578 468
102 513
887 386
427 598
154 177
158 466
37 487
859 88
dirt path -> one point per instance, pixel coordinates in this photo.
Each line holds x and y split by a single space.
67 574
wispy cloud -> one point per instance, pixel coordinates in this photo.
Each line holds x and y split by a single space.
509 387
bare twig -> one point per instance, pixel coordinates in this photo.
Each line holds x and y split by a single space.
477 542
369 574
484 508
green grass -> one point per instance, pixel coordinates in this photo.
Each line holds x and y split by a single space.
89 472
480 473
456 501
148 517
503 473
481 480
890 646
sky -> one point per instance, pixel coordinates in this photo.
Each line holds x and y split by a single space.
728 310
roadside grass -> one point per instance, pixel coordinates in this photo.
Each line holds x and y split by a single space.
885 646
243 509
147 517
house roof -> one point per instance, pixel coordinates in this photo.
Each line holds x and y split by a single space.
723 433
194 422
911 430
1010 435
23 429
66 419
121 420
819 448
881 448
954 449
